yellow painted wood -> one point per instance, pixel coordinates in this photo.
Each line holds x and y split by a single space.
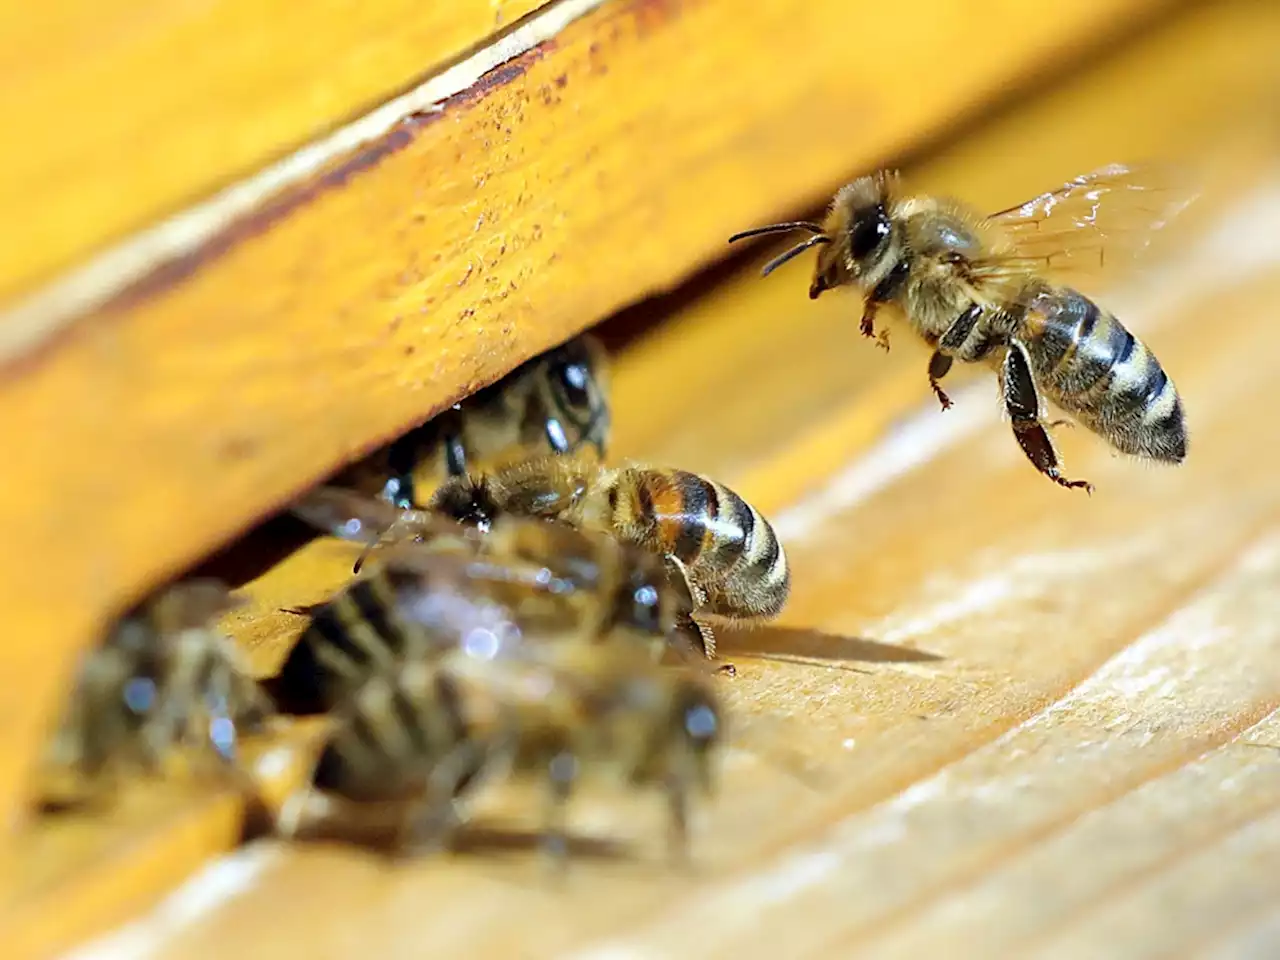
117 112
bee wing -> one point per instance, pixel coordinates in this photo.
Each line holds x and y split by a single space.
346 514
190 604
433 561
1092 223
481 607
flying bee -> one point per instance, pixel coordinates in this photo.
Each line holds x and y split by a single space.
713 539
977 289
433 584
162 678
556 403
424 735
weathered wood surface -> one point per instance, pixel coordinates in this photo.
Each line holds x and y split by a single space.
1024 709
1028 711
604 164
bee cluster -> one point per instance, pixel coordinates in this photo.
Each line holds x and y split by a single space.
516 594
512 622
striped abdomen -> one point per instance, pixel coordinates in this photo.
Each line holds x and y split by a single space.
728 548
354 635
1087 363
394 730
204 677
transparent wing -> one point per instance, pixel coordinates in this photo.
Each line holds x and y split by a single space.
353 516
1093 223
484 607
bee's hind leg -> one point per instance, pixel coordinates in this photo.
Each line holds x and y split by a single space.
1023 404
939 366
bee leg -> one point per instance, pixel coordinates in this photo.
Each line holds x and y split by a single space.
404 455
562 771
939 364
678 831
882 292
455 455
294 811
867 325
1023 405
708 638
951 342
435 818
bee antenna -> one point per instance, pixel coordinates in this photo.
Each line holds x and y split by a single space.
778 228
794 252
364 554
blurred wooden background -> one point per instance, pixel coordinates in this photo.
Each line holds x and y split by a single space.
1030 709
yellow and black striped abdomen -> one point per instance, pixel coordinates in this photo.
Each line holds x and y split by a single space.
393 731
351 637
728 548
1091 366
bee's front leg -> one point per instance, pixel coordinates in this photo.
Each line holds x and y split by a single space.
881 293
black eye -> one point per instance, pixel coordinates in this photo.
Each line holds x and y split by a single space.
645 609
701 723
575 380
868 231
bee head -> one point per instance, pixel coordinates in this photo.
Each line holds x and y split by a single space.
861 230
466 500
852 239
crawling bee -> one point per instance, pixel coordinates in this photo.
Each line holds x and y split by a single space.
555 403
717 542
976 289
424 735
433 584
162 678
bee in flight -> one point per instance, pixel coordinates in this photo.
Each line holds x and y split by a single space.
422 736
431 585
712 539
555 403
978 289
163 677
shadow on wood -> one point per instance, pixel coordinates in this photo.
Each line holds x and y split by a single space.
804 644
470 840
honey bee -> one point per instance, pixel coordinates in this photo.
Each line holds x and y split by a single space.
161 678
433 584
424 735
713 539
556 403
976 289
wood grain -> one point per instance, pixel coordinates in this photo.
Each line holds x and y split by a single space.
1025 707
130 110
434 261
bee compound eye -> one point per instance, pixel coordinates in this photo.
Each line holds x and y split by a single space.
869 229
701 723
645 602
575 381
556 436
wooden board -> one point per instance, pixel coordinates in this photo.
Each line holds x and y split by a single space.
130 110
357 303
1024 706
